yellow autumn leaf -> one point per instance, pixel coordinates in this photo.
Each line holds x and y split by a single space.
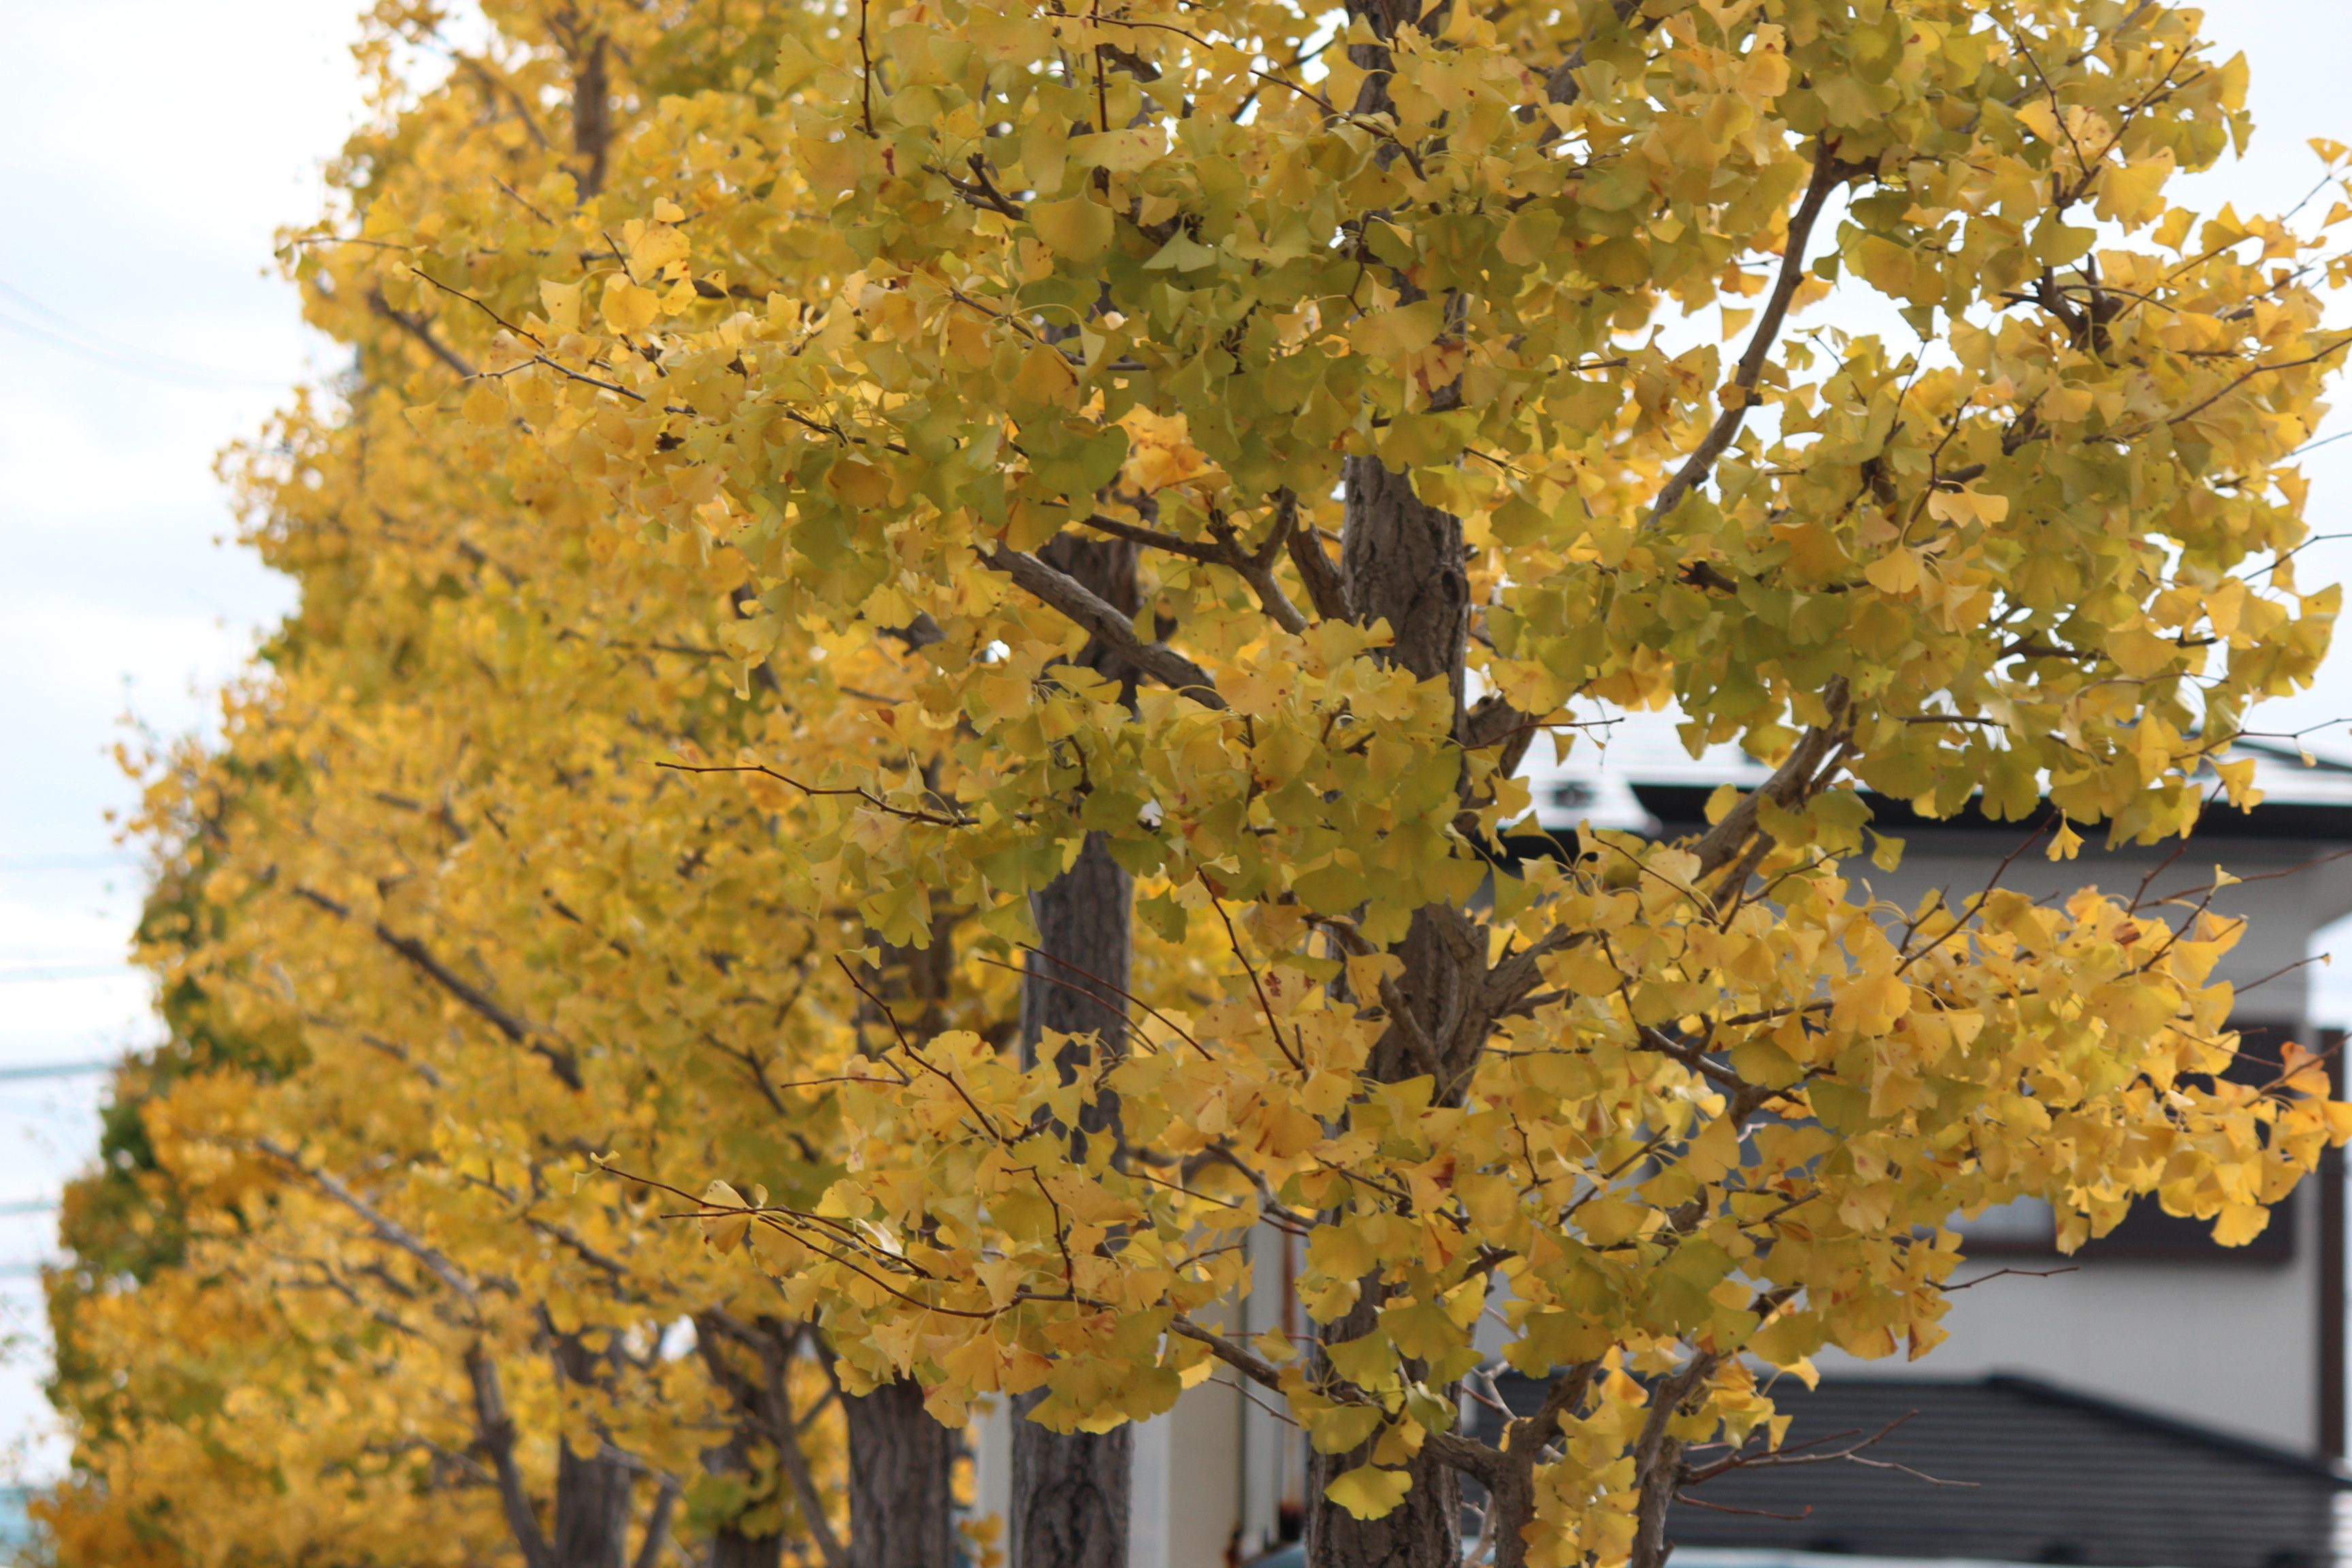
2239 1224
1341 1428
1369 1492
1394 335
485 406
2128 192
628 307
1896 571
561 301
1968 506
1077 227
722 1231
2139 652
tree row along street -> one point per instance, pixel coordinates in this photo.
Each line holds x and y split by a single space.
916 629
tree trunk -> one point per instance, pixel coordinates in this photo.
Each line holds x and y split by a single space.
1070 1489
729 1549
592 1510
1073 983
1401 560
901 1514
1069 1494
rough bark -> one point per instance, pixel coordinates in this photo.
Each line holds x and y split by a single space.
1404 564
591 1509
592 1489
1070 1494
1401 562
1085 935
1070 1489
902 1514
732 1549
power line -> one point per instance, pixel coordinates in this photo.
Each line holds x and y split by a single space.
57 1070
35 974
75 339
70 863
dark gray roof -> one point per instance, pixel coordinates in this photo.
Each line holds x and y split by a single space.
2053 1476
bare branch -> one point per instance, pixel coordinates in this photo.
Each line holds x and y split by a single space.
1828 174
1791 784
387 1230
1101 620
534 1037
421 331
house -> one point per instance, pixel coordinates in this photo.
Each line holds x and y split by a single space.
2155 1400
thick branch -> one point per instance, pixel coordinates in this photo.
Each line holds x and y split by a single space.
1657 1460
1326 589
768 1402
649 1550
1224 553
1102 621
1828 173
804 1490
386 1230
1791 784
592 113
418 327
496 1430
1561 86
1248 1363
532 1036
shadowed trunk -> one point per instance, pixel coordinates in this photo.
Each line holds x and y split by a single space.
901 1462
901 1514
1069 1494
591 113
731 1549
1070 1490
592 1510
1401 560
591 1489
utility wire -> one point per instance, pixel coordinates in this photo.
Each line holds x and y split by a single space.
57 1069
96 347
44 972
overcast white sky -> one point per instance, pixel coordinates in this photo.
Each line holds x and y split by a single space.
148 150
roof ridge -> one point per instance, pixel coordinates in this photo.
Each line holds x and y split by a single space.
2048 1393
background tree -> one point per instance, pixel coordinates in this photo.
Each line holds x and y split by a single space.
424 955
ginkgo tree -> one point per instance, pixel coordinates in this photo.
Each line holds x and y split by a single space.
407 1301
1240 283
1445 377
421 949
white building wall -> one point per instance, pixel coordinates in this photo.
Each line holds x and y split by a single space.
2233 1346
